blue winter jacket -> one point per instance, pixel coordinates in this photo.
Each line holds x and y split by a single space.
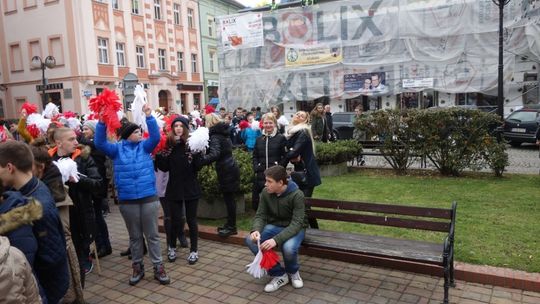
134 175
249 136
22 238
50 265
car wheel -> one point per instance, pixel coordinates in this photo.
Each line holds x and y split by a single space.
515 144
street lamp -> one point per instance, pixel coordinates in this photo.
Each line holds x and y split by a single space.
500 86
50 63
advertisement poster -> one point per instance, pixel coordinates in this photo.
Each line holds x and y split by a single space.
242 31
366 83
418 83
311 56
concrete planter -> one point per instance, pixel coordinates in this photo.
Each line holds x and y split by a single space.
333 170
216 209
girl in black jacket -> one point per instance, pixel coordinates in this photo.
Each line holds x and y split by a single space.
228 173
183 187
270 150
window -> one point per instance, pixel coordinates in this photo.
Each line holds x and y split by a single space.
34 48
190 17
30 3
10 6
162 59
120 56
210 26
15 54
114 4
212 61
56 49
176 10
135 7
180 61
2 108
193 63
139 51
157 9
103 49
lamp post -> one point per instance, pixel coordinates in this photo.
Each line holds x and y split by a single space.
500 86
50 63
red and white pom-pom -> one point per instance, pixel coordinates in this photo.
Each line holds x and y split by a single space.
198 140
254 268
256 125
244 124
107 105
73 123
39 121
269 259
208 109
168 121
29 108
68 168
3 134
51 110
69 114
33 130
162 145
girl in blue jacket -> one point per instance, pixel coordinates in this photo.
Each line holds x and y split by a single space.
136 184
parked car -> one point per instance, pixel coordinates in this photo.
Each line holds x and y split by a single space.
343 125
520 126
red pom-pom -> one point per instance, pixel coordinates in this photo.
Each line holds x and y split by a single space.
107 105
244 124
30 108
69 114
269 259
92 116
208 109
261 124
33 130
162 145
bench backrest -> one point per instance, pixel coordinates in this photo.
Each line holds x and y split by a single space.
424 218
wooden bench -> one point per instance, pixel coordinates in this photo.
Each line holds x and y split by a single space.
440 255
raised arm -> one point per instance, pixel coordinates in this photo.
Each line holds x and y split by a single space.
153 131
100 140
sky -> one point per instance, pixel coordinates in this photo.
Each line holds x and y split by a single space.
252 3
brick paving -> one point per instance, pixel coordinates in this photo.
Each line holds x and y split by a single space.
219 277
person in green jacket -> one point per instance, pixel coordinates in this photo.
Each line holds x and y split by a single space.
281 222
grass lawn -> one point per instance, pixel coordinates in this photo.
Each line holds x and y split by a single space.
498 219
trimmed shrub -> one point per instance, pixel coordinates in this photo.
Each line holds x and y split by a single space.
337 152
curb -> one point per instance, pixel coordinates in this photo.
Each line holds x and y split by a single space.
496 276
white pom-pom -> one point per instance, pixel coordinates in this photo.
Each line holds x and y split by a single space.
73 123
282 121
255 268
195 114
139 118
37 119
68 168
255 125
159 119
120 114
198 140
51 110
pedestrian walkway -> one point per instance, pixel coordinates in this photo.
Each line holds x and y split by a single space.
219 277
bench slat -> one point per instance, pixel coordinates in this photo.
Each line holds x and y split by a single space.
380 220
381 208
375 245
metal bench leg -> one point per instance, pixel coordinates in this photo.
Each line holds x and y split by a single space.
446 283
452 281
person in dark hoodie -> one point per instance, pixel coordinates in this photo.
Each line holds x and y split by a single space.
281 222
50 264
183 189
228 173
81 215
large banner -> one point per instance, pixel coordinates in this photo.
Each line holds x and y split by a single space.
338 49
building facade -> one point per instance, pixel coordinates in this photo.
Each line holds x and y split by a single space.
209 10
95 45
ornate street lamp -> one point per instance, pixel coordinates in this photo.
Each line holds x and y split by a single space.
500 86
50 63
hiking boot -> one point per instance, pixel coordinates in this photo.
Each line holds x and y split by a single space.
227 231
171 254
161 275
138 273
276 283
193 257
103 252
296 280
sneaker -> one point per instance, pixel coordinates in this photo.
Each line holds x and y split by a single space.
171 254
193 257
138 273
296 280
88 267
227 231
276 283
161 275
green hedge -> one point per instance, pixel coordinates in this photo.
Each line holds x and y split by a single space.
337 152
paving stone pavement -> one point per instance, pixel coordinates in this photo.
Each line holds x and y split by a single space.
524 159
219 277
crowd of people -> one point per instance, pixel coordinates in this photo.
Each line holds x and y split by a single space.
146 170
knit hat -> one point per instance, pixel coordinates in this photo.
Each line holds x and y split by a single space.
126 129
90 124
181 119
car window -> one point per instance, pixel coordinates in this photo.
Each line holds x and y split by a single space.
523 116
341 118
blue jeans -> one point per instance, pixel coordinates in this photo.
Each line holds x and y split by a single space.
289 249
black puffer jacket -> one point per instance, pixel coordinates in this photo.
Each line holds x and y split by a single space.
299 143
100 159
182 167
269 151
220 151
